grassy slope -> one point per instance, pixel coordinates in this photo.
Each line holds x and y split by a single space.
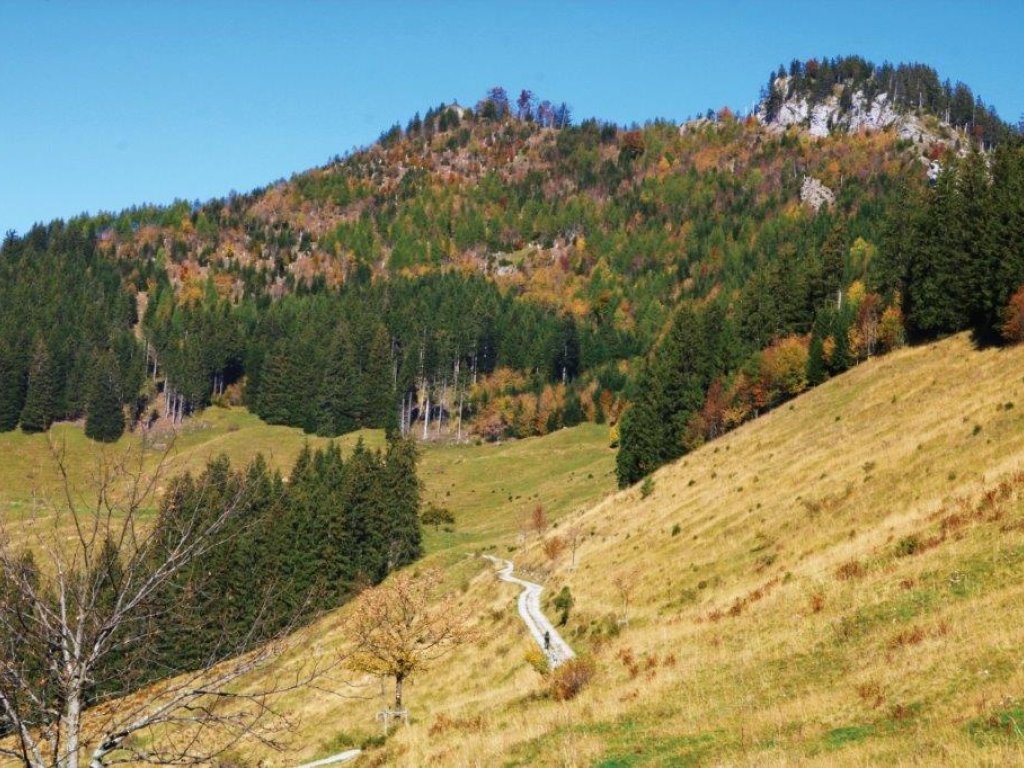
787 619
780 624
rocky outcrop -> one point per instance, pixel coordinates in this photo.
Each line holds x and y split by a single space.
815 194
858 113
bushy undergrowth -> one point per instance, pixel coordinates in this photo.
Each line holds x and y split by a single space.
569 679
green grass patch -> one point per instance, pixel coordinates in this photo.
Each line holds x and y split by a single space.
629 743
1002 724
847 734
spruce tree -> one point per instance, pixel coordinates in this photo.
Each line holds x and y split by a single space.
40 406
641 432
817 372
104 420
401 488
12 389
378 380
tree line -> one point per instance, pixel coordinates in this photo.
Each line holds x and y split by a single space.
388 354
66 344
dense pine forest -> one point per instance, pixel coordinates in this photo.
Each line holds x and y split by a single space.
503 270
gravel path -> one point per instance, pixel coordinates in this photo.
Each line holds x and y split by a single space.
341 757
558 651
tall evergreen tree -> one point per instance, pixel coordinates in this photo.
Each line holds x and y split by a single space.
12 388
104 420
40 407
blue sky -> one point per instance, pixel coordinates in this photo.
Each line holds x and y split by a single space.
108 104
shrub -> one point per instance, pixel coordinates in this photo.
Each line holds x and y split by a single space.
536 658
563 603
647 487
851 569
554 547
908 545
570 678
817 601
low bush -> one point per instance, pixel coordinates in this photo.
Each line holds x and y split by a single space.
566 681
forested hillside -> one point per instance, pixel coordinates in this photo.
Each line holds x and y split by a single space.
501 271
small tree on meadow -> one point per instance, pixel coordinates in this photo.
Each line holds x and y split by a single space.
399 629
625 585
538 520
437 516
573 537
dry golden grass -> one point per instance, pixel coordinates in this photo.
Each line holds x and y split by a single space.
837 592
840 582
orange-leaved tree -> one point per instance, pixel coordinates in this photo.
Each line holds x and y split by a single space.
402 626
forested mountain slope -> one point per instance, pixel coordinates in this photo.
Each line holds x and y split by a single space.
500 270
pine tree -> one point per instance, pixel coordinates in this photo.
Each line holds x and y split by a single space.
817 372
402 490
104 416
12 389
40 406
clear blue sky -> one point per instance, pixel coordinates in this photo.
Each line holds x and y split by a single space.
108 104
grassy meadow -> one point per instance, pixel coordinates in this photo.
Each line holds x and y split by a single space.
840 582
836 583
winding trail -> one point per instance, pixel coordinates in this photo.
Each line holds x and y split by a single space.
341 757
558 651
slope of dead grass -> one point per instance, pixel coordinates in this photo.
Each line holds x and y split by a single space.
836 583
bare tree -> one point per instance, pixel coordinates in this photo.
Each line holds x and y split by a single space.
82 593
625 585
397 630
574 535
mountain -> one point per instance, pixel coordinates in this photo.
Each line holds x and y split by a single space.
496 268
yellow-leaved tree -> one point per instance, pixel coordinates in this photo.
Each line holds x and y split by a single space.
403 625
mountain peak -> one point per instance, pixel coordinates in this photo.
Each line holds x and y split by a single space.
851 94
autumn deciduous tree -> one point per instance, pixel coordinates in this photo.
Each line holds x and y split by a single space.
554 547
400 627
538 520
1013 318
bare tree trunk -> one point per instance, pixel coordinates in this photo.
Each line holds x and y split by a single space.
461 392
73 723
426 413
399 681
440 404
